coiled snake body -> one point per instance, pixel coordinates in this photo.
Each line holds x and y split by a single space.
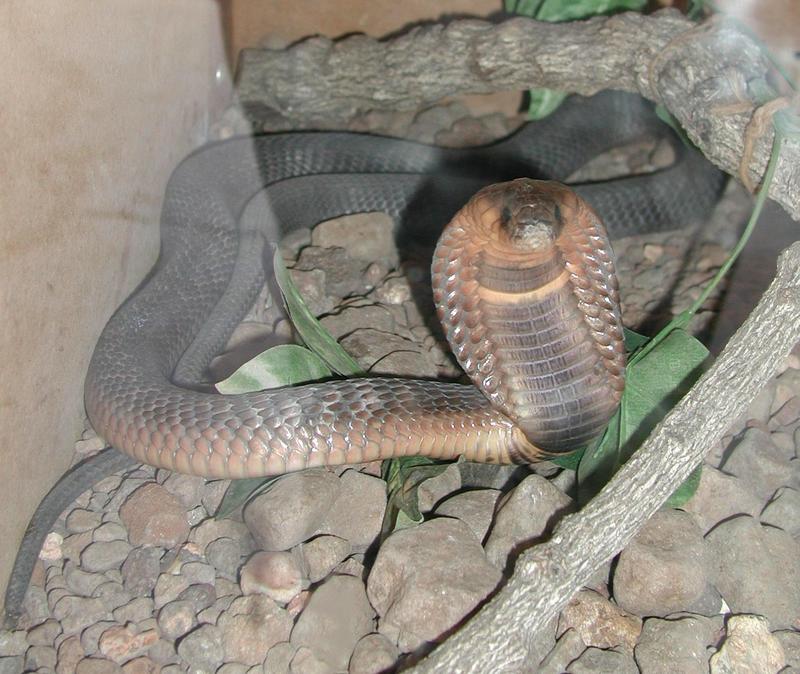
528 255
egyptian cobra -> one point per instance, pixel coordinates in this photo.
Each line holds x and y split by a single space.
523 281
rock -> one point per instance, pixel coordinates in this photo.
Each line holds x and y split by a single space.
188 489
373 654
395 290
70 652
599 623
121 644
140 571
199 595
198 573
278 658
75 613
134 611
492 476
97 666
202 648
40 656
112 594
434 489
12 643
356 514
322 554
275 574
380 353
475 508
43 634
343 273
11 664
225 555
168 587
141 665
720 497
292 510
783 511
251 626
790 642
110 531
340 610
102 556
680 645
310 284
176 618
597 661
212 529
758 462
365 236
665 568
568 648
748 559
524 516
412 585
305 661
90 637
749 648
351 318
153 517
80 520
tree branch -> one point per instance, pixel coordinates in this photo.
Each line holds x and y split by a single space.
710 77
497 639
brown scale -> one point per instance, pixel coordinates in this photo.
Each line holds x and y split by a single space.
525 288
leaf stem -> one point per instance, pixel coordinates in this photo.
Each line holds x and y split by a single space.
683 318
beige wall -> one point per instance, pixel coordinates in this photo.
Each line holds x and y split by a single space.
98 101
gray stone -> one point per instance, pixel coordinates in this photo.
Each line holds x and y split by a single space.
140 571
351 318
134 611
40 656
81 582
475 508
568 648
188 489
176 618
720 497
748 559
436 488
597 661
12 643
322 554
305 661
365 236
90 637
783 511
310 283
112 594
97 666
168 587
225 555
340 610
104 555
251 626
666 568
383 353
43 634
373 654
279 658
292 510
202 648
75 613
110 531
523 517
153 516
412 585
274 574
749 648
11 664
790 641
343 273
599 623
680 645
758 462
198 572
80 520
362 494
200 595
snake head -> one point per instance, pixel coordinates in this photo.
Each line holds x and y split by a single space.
531 212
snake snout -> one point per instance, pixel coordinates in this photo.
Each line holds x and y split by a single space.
531 216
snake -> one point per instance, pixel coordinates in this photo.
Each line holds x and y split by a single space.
523 282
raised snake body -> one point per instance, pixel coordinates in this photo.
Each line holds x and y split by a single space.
210 270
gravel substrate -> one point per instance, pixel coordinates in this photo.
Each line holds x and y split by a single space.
137 575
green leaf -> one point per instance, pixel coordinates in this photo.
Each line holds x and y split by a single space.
687 489
544 102
241 491
569 461
282 365
316 338
403 477
633 340
654 384
569 10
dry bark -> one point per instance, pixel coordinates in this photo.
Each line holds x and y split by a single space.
499 637
709 77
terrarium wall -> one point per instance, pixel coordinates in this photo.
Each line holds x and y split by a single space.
100 102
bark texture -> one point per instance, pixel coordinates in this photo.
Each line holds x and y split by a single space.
499 637
710 77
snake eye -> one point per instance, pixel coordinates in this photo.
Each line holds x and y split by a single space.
505 216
